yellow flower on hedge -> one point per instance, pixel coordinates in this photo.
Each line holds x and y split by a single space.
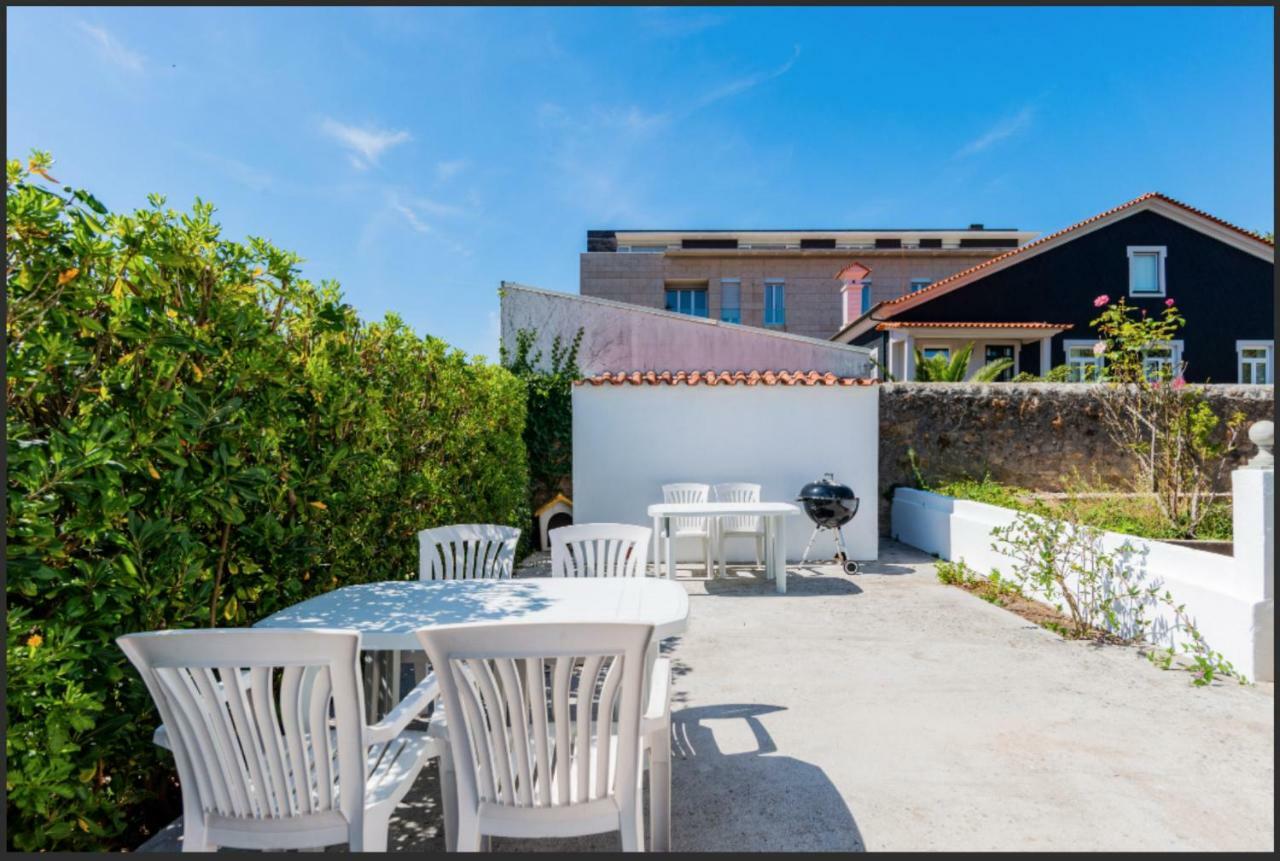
170 313
318 504
35 641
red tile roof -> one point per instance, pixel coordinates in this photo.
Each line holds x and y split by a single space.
942 282
724 378
914 324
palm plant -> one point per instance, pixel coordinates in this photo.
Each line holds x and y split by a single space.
936 369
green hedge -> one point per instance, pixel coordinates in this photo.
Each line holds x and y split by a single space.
198 437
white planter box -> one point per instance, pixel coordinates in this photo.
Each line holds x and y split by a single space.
1229 598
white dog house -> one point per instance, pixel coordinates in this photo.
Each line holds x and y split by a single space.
553 514
633 433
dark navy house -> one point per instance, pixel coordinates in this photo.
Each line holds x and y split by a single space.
1034 304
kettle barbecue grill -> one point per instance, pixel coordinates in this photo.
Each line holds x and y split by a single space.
829 505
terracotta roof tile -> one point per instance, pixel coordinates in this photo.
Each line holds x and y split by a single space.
942 282
920 324
723 378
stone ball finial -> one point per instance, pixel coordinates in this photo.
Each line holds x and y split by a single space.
1263 435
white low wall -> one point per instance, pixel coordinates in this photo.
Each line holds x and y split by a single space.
629 440
1229 598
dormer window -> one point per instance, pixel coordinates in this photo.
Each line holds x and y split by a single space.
1146 270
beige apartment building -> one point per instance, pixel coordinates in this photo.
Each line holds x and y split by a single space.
786 280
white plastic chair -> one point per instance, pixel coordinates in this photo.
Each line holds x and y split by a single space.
599 550
268 733
550 729
467 551
739 526
698 528
463 551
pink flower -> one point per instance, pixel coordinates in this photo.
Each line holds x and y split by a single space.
1178 382
1099 348
1168 303
1101 300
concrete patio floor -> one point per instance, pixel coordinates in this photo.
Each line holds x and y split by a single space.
886 711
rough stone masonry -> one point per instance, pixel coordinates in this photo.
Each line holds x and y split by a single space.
1031 435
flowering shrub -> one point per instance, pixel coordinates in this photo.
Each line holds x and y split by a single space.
1150 411
198 437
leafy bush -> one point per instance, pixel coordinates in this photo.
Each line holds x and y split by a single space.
984 490
198 437
548 431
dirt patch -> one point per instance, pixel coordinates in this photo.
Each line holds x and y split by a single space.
1006 596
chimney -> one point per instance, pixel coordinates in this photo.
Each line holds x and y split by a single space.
976 227
852 283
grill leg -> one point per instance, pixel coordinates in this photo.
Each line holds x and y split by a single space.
805 558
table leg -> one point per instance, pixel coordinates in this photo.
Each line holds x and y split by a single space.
670 548
718 547
780 551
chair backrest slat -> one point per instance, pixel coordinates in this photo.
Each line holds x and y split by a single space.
599 550
467 551
686 492
508 751
264 725
738 491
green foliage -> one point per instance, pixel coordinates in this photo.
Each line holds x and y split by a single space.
1057 374
993 588
1131 515
548 432
1150 411
984 490
198 437
936 369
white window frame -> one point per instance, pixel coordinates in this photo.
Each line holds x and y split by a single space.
781 284
1176 358
1160 252
924 348
1269 363
1098 362
730 282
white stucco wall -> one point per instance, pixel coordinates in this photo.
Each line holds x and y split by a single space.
630 440
1231 598
622 337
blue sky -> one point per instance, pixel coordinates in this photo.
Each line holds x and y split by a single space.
420 156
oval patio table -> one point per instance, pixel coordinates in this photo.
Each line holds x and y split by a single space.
775 534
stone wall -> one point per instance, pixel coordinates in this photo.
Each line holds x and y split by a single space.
1031 435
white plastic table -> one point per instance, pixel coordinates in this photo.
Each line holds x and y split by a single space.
775 531
386 614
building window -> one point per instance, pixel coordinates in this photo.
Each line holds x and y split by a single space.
775 304
866 295
687 300
730 300
943 353
920 283
996 352
1083 365
1163 361
1146 270
1256 362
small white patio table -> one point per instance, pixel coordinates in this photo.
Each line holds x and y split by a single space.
775 532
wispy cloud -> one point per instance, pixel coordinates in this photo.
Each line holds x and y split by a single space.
447 170
677 23
245 174
1005 128
111 48
416 210
364 145
747 82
